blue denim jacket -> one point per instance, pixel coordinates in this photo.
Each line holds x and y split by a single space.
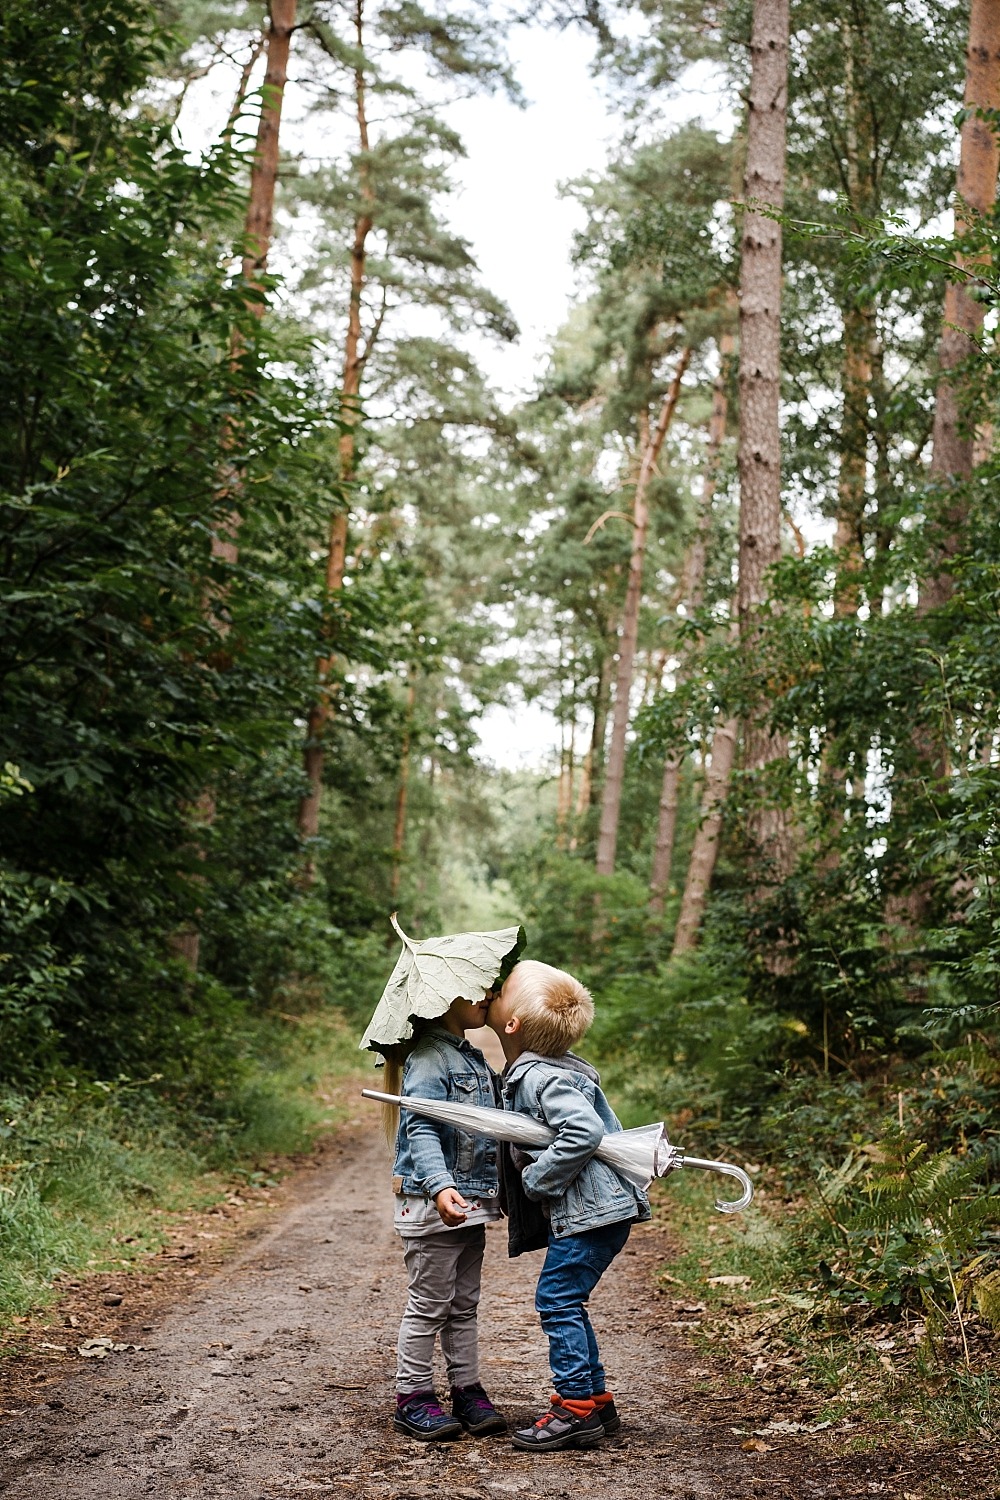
430 1156
581 1193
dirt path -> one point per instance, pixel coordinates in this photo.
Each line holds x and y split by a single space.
274 1379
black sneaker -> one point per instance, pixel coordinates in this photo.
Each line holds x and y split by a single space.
471 1406
566 1424
420 1416
608 1413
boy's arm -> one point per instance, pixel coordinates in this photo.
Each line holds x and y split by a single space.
579 1132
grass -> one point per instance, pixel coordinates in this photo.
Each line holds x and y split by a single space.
88 1172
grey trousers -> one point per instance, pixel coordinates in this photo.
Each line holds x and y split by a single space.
444 1273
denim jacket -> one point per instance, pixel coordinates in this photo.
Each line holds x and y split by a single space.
430 1156
581 1193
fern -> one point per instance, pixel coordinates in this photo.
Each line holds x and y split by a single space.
921 1218
987 1292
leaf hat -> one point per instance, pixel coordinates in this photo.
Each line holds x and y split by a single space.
429 975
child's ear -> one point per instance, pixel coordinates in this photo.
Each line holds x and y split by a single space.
513 1025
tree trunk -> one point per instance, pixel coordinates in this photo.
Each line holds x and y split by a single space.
706 841
759 454
582 798
257 231
954 439
354 360
856 372
607 839
666 828
259 221
692 589
852 480
402 791
599 731
567 771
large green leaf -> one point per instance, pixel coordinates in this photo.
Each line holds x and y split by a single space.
428 976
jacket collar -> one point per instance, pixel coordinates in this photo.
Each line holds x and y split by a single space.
568 1061
460 1043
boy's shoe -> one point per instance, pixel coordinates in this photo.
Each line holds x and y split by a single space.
566 1424
420 1416
471 1406
608 1413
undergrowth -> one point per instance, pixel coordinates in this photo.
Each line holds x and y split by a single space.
887 1334
86 1167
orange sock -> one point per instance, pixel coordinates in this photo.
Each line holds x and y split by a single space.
602 1399
578 1408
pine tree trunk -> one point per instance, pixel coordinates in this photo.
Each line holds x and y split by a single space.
856 370
402 792
599 732
607 839
852 480
692 589
354 359
257 232
666 828
567 772
759 453
582 798
264 177
953 440
706 843
259 221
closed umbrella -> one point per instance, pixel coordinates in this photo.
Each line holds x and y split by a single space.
639 1155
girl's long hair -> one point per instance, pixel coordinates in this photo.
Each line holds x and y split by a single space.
392 1082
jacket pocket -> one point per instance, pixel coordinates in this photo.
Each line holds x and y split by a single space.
465 1090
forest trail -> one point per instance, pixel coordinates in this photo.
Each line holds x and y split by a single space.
274 1378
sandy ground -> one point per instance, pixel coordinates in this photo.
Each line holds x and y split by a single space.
273 1377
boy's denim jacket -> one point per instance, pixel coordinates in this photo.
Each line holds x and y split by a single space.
580 1192
430 1156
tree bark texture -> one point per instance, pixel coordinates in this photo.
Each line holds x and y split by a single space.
759 452
859 170
953 439
666 829
706 842
607 839
567 774
354 360
258 223
599 731
692 590
852 480
402 792
264 174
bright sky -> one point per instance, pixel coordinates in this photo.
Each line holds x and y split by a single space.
521 232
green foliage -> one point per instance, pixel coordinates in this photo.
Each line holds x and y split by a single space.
91 1171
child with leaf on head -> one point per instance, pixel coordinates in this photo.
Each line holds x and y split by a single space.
445 1182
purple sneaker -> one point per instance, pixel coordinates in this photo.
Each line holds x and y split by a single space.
419 1415
471 1406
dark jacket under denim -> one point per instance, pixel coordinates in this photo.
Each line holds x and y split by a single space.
579 1191
430 1156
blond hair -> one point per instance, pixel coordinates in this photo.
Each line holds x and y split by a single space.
554 1008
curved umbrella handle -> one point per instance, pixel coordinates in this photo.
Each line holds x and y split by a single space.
723 1205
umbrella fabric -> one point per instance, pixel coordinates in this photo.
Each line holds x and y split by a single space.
633 1153
639 1155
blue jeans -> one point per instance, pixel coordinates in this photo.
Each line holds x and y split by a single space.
573 1267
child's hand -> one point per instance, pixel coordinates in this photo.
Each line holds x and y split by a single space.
449 1204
